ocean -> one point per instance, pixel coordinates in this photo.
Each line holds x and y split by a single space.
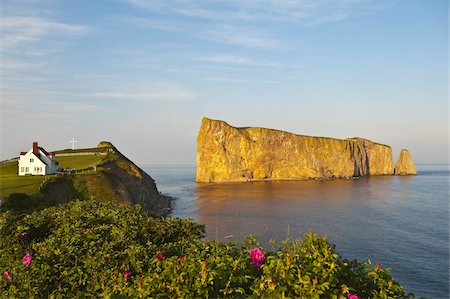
403 222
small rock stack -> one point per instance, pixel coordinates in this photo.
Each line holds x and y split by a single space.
405 164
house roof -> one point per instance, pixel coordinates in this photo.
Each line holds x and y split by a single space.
44 151
36 150
39 158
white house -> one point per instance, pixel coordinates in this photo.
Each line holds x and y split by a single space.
37 162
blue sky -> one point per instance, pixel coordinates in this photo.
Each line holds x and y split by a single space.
142 73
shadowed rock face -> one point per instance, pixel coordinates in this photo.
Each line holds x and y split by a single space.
227 154
405 164
132 185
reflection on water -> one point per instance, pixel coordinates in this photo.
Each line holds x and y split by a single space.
274 210
401 221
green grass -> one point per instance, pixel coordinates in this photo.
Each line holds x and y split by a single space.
23 184
81 150
8 169
79 162
11 182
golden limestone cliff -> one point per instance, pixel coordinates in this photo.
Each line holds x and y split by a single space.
405 164
229 154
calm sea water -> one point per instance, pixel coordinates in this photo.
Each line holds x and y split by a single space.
401 221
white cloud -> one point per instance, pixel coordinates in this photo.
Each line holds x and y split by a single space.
238 60
224 79
227 58
12 64
245 23
158 24
78 107
17 30
15 102
154 93
219 32
240 37
27 42
307 11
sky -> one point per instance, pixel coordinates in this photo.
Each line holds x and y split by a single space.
142 73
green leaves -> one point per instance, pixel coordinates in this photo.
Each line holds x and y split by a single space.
84 249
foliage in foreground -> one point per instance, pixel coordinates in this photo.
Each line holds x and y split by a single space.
88 248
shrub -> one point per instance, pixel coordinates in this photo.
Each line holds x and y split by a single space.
89 248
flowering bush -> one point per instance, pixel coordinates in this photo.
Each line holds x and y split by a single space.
87 248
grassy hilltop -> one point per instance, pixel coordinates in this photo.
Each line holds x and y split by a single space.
101 173
11 182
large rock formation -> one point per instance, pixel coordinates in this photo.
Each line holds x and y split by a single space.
227 154
405 164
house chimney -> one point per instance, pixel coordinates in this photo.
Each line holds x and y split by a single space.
35 148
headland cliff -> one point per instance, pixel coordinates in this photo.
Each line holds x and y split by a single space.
229 154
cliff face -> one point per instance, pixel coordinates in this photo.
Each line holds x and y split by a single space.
405 164
116 178
131 184
226 153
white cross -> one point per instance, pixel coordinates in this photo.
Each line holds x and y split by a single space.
73 143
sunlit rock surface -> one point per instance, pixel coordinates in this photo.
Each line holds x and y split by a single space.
405 164
229 154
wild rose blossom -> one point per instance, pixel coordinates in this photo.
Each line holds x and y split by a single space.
181 259
159 256
7 275
139 281
126 275
257 257
27 259
352 296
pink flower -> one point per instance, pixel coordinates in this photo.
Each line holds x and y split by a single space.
159 256
378 265
257 257
139 282
27 259
126 275
352 296
181 259
7 275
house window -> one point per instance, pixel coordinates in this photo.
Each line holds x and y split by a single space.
31 160
27 169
